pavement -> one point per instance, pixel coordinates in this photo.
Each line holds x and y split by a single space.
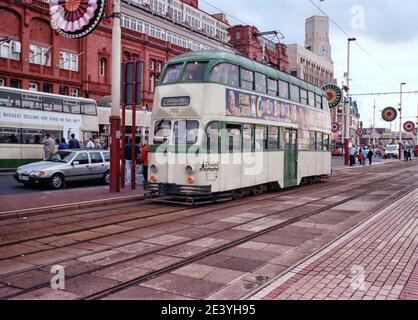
377 260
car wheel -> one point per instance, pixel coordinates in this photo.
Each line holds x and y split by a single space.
57 181
106 177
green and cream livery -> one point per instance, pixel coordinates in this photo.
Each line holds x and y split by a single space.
222 123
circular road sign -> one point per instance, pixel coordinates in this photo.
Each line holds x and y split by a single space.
389 114
335 127
360 132
76 18
334 94
409 126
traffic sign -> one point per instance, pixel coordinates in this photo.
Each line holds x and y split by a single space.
335 127
76 18
334 94
389 114
409 126
360 132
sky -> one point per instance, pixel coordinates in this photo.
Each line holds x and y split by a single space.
386 30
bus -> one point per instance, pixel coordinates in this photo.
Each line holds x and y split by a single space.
26 116
223 124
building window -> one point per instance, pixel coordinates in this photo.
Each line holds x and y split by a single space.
74 92
33 86
154 70
238 35
102 67
10 50
2 82
64 90
68 61
40 55
47 88
152 83
14 83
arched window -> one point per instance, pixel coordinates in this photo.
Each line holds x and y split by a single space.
102 67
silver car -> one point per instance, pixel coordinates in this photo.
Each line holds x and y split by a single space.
67 165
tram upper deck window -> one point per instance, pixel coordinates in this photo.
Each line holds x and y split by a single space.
89 109
260 82
311 97
162 131
225 73
195 71
186 132
10 99
172 74
272 87
247 79
294 93
318 101
283 89
304 97
31 101
52 104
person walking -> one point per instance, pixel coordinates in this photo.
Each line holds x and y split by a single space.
144 160
128 160
73 143
360 156
97 144
63 145
90 144
352 156
370 156
365 155
49 146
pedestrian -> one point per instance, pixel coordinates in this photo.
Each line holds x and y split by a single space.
63 145
144 160
360 156
370 156
73 143
128 160
90 144
352 156
365 155
49 146
97 144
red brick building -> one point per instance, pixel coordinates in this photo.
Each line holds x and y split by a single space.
245 39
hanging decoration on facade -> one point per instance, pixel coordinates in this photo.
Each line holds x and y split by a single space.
415 132
76 18
409 126
360 132
334 94
389 114
335 127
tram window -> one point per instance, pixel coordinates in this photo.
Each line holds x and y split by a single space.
283 89
311 97
312 141
234 138
319 141
273 138
10 136
31 102
89 108
272 87
225 73
212 133
51 104
248 137
318 101
172 74
195 71
326 146
294 93
260 82
32 136
247 79
10 99
162 131
186 132
304 97
260 138
287 140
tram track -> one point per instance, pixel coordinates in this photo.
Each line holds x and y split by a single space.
372 182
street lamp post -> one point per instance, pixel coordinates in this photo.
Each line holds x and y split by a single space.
347 104
115 135
400 123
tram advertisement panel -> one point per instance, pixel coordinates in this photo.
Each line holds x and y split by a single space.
252 106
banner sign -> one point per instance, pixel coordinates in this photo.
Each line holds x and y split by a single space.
334 94
389 114
76 18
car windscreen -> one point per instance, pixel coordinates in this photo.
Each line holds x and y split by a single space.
63 156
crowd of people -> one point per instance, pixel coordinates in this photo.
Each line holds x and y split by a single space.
361 155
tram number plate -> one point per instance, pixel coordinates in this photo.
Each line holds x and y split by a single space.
24 178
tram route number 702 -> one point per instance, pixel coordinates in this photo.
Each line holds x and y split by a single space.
174 110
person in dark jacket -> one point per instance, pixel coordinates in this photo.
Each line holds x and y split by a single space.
73 143
63 145
370 156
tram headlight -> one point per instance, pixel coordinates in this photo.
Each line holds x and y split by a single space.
154 169
189 170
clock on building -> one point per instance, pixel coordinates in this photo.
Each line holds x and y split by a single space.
323 50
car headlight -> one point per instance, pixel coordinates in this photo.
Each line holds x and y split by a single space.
38 173
189 170
154 169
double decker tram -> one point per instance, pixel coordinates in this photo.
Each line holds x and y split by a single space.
224 126
26 116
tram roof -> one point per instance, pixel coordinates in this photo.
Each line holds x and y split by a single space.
225 56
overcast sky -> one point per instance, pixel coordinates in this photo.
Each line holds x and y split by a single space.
386 29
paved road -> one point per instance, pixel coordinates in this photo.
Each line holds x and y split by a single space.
9 186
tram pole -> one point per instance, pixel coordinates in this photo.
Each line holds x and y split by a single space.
347 106
115 134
